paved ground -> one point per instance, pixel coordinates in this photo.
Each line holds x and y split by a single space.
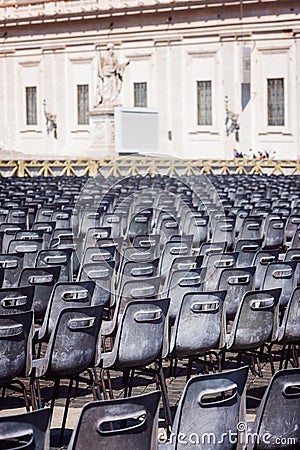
256 386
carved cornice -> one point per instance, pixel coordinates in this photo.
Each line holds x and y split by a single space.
15 12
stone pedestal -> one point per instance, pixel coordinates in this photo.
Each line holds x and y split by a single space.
102 126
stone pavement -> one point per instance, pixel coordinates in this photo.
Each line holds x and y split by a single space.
14 404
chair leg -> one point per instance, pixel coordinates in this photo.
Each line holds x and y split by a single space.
126 374
111 394
131 382
189 369
64 421
287 357
282 357
55 393
295 355
103 384
97 383
92 383
165 399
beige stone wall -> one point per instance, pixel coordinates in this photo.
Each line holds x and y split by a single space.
52 45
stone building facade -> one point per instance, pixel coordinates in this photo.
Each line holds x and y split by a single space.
222 75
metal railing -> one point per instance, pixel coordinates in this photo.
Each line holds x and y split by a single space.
123 166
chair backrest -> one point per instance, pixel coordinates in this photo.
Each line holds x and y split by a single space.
26 431
182 282
236 282
199 323
120 424
134 270
224 231
15 345
43 281
247 249
281 275
289 331
274 233
65 295
28 248
215 263
16 300
57 257
277 419
261 261
292 223
207 248
78 327
139 223
102 274
172 250
210 405
256 321
251 228
144 322
11 267
142 288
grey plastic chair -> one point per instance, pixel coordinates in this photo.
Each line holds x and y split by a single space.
15 349
65 295
12 266
256 321
29 249
73 348
102 273
172 250
118 424
247 249
43 281
136 289
61 258
261 261
251 228
274 233
16 300
277 420
145 323
182 282
199 326
209 407
215 263
289 331
26 431
281 275
236 282
255 326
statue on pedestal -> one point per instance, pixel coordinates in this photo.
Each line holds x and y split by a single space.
110 78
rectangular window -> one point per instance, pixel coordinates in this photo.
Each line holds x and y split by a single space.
246 94
140 95
83 104
204 103
31 105
276 101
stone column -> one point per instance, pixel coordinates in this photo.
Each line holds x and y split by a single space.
102 129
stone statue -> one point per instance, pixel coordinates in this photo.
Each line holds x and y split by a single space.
110 78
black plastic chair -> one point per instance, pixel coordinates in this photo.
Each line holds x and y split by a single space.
43 281
118 424
26 431
210 405
15 350
277 421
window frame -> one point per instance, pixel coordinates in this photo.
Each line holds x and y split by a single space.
283 118
29 122
84 113
145 83
209 122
